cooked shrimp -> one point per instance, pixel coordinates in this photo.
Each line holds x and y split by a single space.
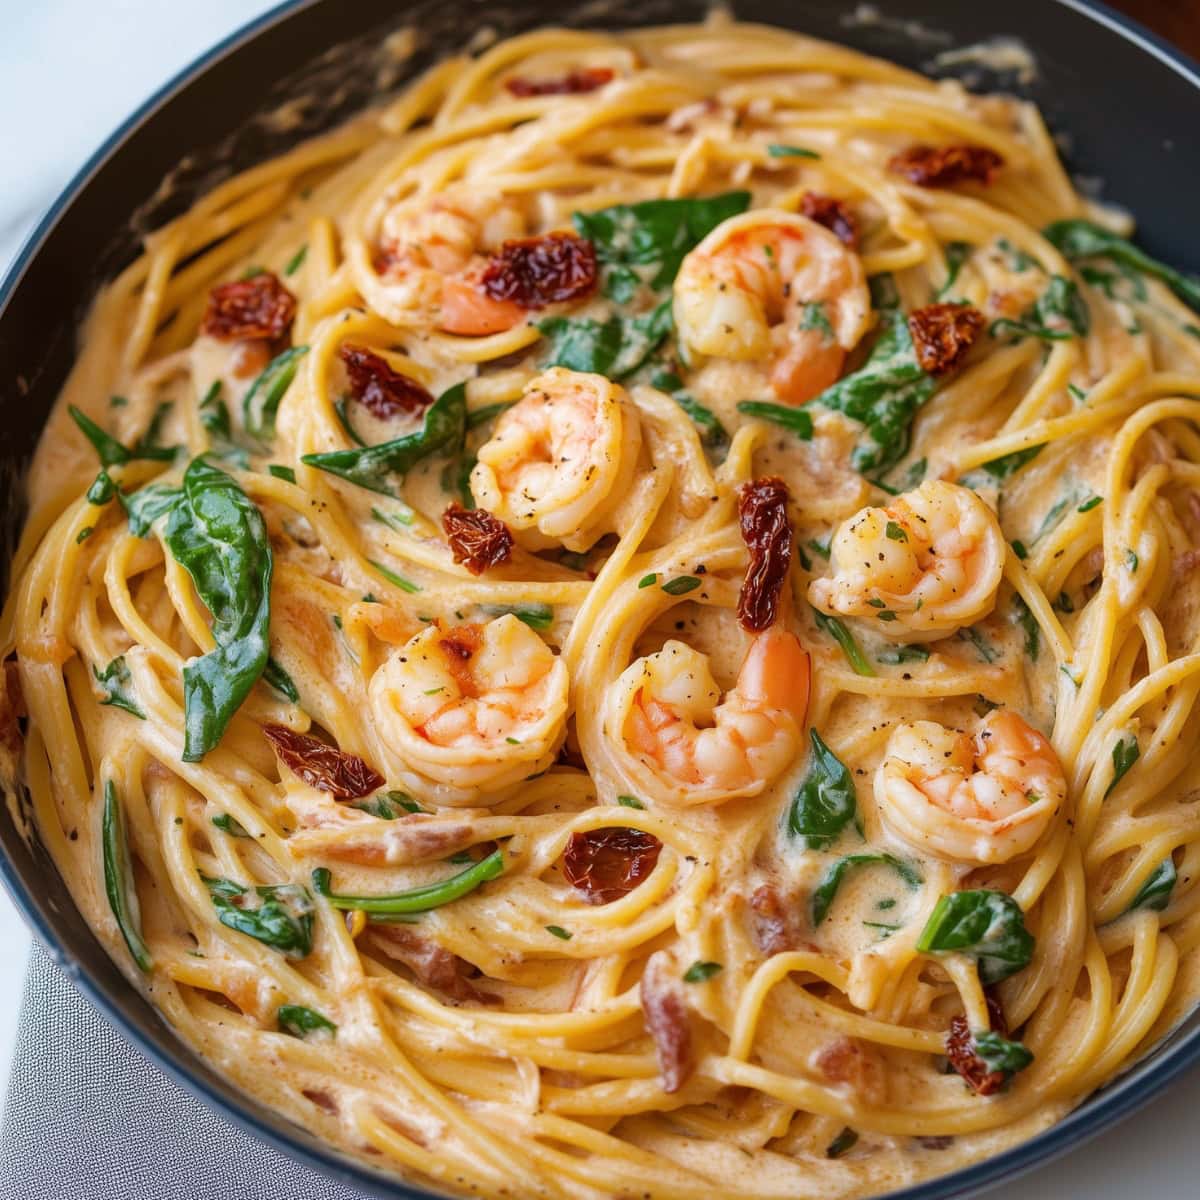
560 460
684 744
773 286
469 711
974 800
434 254
921 568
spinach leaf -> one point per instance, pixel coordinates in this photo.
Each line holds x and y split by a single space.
147 504
103 489
300 1021
986 651
219 537
536 616
279 915
842 1144
481 416
388 806
987 925
894 655
656 233
825 802
1029 625
841 634
1009 464
884 292
1058 314
227 824
997 1053
282 472
827 888
148 445
712 432
110 451
372 467
118 878
883 395
1124 755
780 150
615 348
262 400
418 899
1155 893
797 421
1076 239
115 680
956 254
281 681
214 416
296 261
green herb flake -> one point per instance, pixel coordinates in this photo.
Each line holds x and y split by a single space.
780 150
229 825
846 640
1155 893
648 580
844 1142
700 972
895 532
296 261
405 585
559 932
299 1022
1124 754
630 802
282 472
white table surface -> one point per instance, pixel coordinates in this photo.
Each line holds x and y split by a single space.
70 70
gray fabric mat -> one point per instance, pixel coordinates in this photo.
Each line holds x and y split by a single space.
89 1118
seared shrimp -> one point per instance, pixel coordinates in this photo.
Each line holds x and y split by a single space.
972 800
467 712
560 460
773 286
921 568
433 256
684 744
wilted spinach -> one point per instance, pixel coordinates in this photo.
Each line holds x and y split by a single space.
118 878
219 537
115 680
827 887
373 467
825 801
279 915
987 925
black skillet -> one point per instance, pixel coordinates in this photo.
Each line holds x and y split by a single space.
1126 104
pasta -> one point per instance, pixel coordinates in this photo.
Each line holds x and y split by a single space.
635 629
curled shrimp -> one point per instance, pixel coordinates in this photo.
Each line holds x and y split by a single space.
467 712
560 460
920 568
683 743
433 256
774 286
974 800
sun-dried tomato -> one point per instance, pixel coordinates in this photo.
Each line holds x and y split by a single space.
834 214
322 766
478 539
960 1049
606 864
944 166
767 532
377 387
666 1014
537 271
258 307
943 333
578 79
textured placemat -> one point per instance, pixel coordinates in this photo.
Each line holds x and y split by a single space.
89 1118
